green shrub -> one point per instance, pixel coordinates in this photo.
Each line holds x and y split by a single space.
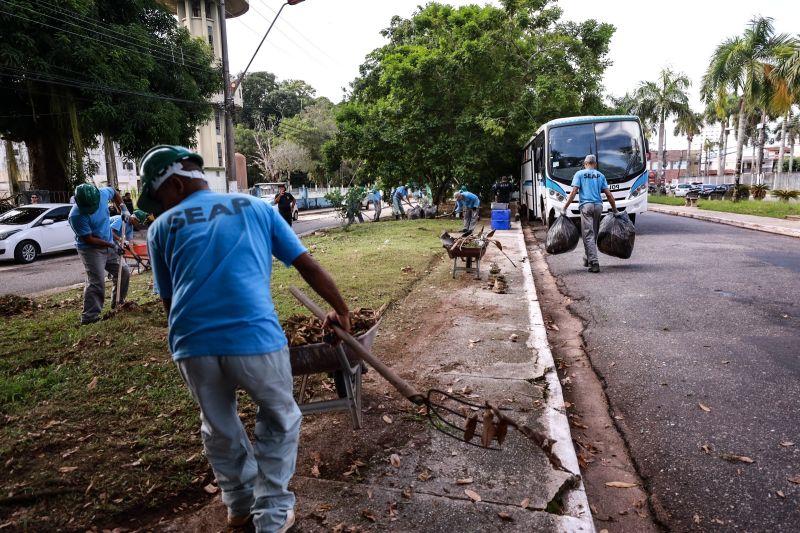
759 191
784 195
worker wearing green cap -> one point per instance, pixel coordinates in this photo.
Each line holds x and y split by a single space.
91 223
211 256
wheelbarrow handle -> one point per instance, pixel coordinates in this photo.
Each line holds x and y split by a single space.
388 374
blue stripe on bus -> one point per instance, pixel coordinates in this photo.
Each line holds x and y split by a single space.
641 180
553 185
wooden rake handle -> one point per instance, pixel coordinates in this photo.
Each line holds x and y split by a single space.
388 374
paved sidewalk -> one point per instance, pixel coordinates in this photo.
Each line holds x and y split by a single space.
454 335
790 228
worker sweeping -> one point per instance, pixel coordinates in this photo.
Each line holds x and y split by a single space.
211 256
469 206
90 221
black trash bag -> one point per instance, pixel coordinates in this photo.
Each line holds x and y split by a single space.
415 213
616 235
563 236
431 211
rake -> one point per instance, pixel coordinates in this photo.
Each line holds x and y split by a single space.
449 414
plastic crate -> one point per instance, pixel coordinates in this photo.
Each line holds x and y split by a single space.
501 224
501 215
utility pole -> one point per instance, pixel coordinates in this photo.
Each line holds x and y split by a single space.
227 106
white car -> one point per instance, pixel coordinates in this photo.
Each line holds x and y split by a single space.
267 192
682 189
30 230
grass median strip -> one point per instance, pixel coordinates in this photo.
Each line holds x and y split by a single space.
762 208
97 426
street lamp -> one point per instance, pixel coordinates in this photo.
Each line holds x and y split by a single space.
231 88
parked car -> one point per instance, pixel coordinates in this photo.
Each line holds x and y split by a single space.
706 190
31 230
682 189
716 192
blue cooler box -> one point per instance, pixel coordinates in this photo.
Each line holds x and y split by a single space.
501 219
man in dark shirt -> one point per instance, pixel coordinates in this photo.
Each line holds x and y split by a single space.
128 202
285 202
502 190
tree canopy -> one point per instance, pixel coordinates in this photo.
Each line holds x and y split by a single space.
74 69
457 91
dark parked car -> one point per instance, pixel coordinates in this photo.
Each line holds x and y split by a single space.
706 190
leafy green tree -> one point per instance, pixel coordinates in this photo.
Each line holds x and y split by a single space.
658 101
312 128
742 64
456 91
268 100
75 69
688 124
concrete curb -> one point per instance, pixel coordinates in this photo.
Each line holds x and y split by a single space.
576 501
767 228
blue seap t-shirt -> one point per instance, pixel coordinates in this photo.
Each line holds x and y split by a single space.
471 200
212 256
116 225
400 192
590 183
97 224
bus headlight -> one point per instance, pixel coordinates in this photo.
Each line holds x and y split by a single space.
557 195
638 190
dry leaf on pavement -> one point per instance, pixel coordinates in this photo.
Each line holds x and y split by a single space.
621 484
395 460
92 384
211 488
470 427
464 481
505 516
387 419
787 443
794 479
732 457
424 476
706 448
780 493
472 495
525 503
67 469
369 515
704 407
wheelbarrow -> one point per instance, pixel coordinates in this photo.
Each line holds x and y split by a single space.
467 255
343 363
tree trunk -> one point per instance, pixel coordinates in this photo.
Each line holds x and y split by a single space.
111 162
48 171
662 148
688 157
762 134
724 155
782 150
720 152
12 167
791 156
740 138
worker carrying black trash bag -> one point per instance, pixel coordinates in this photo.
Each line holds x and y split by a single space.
616 235
562 237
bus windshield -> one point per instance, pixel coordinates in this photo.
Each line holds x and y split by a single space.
617 144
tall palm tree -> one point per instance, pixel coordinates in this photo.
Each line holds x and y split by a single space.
786 78
741 64
659 100
688 124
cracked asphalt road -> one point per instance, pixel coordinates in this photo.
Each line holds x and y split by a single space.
701 314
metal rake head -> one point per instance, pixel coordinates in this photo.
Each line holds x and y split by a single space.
464 420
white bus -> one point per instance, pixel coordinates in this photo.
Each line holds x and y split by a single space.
553 156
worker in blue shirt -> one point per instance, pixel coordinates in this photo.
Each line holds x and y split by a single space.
376 199
99 253
397 201
470 204
588 184
211 256
133 224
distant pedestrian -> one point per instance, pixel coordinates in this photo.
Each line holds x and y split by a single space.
34 198
377 201
285 202
128 201
588 184
470 204
502 190
97 249
397 201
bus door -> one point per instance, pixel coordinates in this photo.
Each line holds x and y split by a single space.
538 175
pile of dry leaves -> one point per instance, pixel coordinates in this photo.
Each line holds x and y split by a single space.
305 329
11 305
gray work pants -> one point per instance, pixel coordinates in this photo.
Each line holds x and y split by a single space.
98 261
254 477
470 218
378 208
590 225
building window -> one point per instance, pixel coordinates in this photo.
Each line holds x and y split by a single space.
211 36
219 154
196 8
218 121
210 10
127 165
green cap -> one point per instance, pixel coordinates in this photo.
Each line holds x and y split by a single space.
140 215
155 163
463 188
87 198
